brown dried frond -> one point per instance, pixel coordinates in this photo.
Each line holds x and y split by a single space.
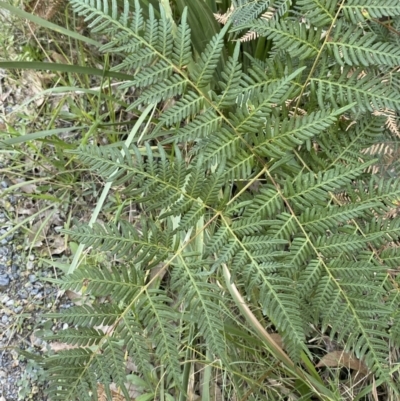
251 35
391 120
102 395
392 213
45 9
381 149
269 14
223 18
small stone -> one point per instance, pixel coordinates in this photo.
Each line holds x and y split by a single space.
4 299
4 184
29 265
32 278
4 281
36 342
4 319
10 302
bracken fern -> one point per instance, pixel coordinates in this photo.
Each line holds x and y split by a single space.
263 174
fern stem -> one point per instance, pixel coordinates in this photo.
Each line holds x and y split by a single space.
255 324
206 378
187 366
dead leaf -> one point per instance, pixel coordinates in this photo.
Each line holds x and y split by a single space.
25 211
278 339
102 396
57 346
336 359
33 81
58 58
28 188
39 230
57 245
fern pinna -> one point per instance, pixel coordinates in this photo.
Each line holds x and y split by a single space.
263 173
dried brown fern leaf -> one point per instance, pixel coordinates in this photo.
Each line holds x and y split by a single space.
223 18
45 9
251 35
391 120
379 149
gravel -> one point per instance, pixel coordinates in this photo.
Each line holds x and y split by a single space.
24 297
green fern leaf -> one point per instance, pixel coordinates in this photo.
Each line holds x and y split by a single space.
367 92
156 316
209 59
182 45
292 37
359 10
88 316
319 13
356 48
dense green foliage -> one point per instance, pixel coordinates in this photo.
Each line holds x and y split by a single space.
261 176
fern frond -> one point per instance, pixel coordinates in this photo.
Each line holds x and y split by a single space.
232 75
248 11
266 173
158 317
344 146
288 134
359 10
83 337
312 189
321 220
100 280
123 241
181 53
319 13
67 370
190 104
88 316
201 299
166 89
158 72
109 365
353 47
201 127
250 119
292 37
139 347
367 92
208 59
